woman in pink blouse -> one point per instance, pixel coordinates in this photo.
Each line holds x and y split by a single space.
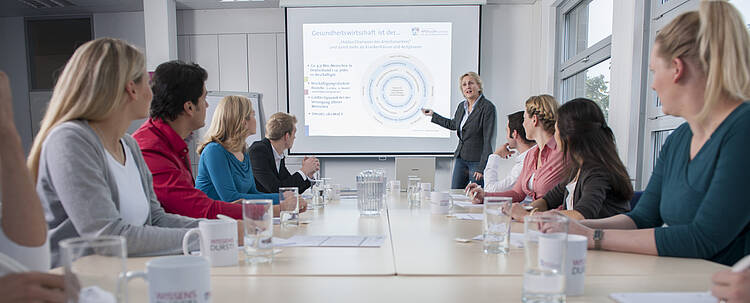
543 166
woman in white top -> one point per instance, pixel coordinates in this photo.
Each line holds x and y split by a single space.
494 181
89 173
23 231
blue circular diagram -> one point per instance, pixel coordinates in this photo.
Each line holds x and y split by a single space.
396 88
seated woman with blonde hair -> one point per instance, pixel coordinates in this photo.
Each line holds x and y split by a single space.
224 171
543 165
91 174
693 205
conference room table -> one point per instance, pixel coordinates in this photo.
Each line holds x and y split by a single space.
420 260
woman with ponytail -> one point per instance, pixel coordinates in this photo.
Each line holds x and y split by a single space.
693 205
597 184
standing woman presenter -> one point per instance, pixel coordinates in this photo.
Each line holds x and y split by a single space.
474 122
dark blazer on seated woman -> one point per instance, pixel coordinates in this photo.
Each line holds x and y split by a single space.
267 178
476 136
593 195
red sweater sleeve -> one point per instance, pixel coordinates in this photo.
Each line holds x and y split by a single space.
177 193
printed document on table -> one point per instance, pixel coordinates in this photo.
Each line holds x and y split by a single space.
335 241
469 216
467 204
654 297
460 197
516 239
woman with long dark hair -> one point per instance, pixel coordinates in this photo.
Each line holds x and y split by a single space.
597 184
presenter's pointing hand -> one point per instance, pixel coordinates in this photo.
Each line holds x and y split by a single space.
427 112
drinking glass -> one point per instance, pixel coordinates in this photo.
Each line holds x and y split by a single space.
545 247
94 269
288 205
370 195
257 218
412 191
318 191
394 187
326 190
424 191
496 227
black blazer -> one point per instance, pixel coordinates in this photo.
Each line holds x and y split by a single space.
475 140
592 197
267 179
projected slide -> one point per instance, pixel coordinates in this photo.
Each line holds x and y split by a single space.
373 79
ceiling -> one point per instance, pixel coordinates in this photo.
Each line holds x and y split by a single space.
15 8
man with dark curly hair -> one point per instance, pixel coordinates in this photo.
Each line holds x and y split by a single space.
178 109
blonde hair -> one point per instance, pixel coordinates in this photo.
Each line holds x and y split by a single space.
279 125
545 109
474 76
91 87
716 38
228 124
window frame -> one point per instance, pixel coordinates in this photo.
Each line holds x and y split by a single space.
583 60
655 120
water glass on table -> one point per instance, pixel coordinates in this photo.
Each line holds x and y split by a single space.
326 189
545 247
394 188
412 192
496 225
318 191
94 269
257 216
288 205
424 191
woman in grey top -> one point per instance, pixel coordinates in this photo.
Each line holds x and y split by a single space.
89 173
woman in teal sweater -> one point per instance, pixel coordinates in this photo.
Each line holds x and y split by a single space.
693 205
224 170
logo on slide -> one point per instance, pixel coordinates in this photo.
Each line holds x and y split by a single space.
396 88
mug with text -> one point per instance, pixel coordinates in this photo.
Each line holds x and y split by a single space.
176 279
218 241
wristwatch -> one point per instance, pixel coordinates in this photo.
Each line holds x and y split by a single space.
598 235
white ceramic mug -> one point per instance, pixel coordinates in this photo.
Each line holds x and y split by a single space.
218 241
176 279
440 202
575 268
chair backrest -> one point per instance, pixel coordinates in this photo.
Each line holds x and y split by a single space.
634 200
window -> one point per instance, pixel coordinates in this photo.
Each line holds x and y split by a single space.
659 138
592 83
658 126
585 31
744 7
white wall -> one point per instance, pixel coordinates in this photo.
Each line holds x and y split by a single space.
512 65
509 66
